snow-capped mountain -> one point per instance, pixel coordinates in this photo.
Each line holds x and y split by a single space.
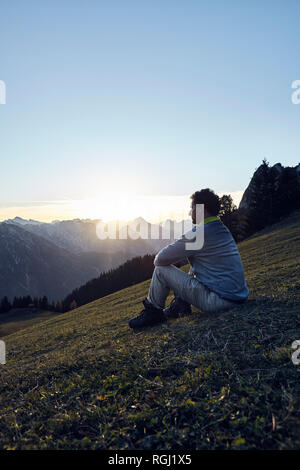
79 236
20 221
38 258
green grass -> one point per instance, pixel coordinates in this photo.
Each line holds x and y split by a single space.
84 380
20 318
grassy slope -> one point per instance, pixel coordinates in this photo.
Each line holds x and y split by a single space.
20 318
84 380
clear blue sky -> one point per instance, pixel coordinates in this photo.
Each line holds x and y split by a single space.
160 97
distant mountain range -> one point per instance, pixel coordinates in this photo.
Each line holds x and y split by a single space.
31 264
52 259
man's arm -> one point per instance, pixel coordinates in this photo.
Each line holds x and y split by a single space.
173 253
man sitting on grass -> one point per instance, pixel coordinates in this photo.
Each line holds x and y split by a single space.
216 279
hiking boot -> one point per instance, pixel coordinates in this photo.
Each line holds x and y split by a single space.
148 317
177 308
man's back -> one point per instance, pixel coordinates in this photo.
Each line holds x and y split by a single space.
217 264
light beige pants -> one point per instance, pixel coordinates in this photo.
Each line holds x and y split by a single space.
185 286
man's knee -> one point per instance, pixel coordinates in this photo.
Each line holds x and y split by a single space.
161 271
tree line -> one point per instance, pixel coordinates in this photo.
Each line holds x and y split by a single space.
274 194
131 272
27 301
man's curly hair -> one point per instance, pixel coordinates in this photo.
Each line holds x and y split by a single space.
210 200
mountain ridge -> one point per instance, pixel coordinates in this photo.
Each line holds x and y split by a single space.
33 265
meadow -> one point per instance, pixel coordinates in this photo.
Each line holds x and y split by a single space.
84 380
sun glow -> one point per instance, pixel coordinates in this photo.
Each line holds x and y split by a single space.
107 206
127 207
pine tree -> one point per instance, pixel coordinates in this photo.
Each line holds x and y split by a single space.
43 304
59 306
260 209
73 305
228 214
5 305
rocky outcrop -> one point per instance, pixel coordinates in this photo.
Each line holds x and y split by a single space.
248 194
